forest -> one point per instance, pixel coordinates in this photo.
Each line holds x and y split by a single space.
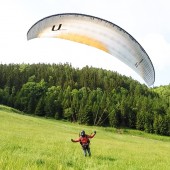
90 96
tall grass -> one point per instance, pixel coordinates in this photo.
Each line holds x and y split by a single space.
31 143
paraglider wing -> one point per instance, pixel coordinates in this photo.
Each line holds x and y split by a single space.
98 33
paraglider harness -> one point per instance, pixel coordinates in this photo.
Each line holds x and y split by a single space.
84 145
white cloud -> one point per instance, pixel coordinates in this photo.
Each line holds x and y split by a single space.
158 49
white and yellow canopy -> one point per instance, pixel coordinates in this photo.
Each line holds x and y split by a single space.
100 34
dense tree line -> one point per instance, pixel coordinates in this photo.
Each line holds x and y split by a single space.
89 96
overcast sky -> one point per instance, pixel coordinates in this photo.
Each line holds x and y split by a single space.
146 20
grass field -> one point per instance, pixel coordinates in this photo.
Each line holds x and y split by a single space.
31 143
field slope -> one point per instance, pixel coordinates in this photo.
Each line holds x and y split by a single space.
31 143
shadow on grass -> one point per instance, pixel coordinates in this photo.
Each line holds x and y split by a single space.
40 162
106 158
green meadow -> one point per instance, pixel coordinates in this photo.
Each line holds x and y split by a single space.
33 143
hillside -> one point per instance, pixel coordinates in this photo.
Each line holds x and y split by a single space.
37 143
163 90
89 96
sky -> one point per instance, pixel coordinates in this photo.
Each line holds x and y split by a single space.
146 20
